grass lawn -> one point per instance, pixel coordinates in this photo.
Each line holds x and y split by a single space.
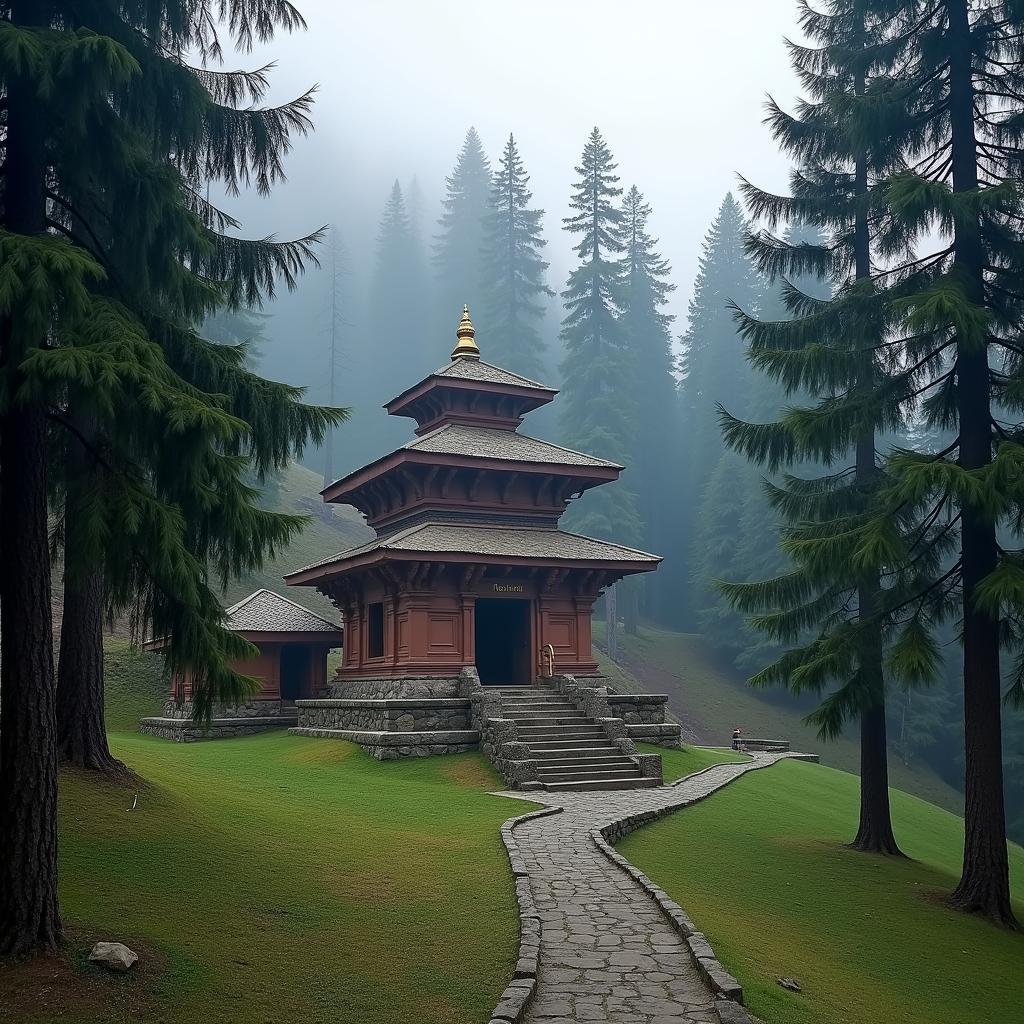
761 868
678 763
276 878
711 700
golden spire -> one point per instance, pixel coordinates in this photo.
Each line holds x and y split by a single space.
466 333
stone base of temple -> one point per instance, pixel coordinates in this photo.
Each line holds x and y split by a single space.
379 688
387 746
394 726
228 721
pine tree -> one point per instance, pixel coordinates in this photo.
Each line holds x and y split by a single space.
397 347
712 368
242 326
834 351
97 349
598 415
460 239
647 335
337 270
513 271
960 317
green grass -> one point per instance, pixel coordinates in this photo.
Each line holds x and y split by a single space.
711 701
281 878
676 764
761 868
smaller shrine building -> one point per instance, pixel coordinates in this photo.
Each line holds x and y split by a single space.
292 644
469 567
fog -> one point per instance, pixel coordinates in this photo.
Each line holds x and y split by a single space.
676 88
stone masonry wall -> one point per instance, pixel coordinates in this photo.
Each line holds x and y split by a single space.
393 715
251 709
639 709
382 689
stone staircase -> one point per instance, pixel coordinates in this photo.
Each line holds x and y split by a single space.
572 750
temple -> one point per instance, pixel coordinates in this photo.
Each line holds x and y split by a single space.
469 567
289 664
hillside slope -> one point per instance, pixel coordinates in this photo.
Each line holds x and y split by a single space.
709 702
763 869
333 528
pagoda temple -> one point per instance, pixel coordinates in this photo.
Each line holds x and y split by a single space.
469 567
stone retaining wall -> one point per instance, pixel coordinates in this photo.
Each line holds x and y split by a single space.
392 715
251 709
388 746
183 730
412 686
639 708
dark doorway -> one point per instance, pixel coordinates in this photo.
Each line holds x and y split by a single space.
503 642
295 666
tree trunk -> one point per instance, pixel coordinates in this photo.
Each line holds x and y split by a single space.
984 885
874 831
81 726
29 914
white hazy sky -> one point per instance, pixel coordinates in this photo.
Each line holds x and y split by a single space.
677 88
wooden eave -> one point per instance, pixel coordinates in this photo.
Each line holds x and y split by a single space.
342 566
535 397
376 471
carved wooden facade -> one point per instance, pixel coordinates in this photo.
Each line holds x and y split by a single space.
465 513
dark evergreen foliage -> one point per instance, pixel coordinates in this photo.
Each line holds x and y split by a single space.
513 272
109 257
713 368
598 414
646 329
458 270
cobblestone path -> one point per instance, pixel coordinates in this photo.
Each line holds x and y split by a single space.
607 952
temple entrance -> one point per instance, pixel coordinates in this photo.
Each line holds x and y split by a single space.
503 642
295 672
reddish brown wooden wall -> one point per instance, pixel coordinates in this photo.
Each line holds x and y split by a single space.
433 633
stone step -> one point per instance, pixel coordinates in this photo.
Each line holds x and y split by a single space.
552 721
545 748
587 772
550 753
535 702
541 735
521 691
587 760
632 782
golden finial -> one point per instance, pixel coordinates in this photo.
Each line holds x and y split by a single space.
466 333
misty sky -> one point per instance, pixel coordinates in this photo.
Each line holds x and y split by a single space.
676 87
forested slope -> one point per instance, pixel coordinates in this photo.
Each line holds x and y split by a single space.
710 699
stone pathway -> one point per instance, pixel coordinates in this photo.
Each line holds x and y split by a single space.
607 952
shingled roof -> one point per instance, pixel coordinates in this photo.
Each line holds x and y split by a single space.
495 443
499 541
477 369
267 612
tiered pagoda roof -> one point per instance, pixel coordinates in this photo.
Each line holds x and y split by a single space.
470 487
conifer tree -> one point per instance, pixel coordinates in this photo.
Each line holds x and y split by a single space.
97 348
397 347
337 268
598 415
460 239
712 368
646 329
513 270
835 350
960 319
